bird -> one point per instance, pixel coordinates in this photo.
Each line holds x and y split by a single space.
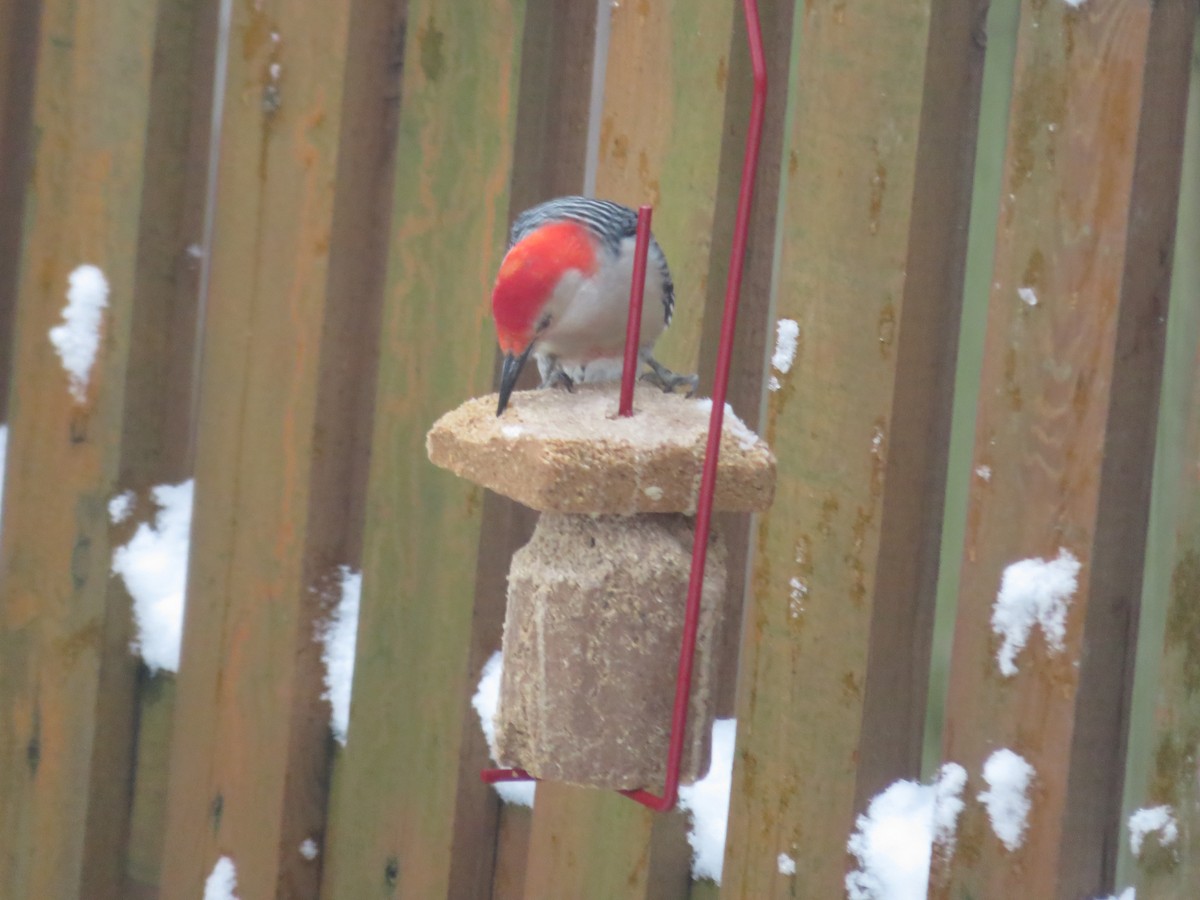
562 296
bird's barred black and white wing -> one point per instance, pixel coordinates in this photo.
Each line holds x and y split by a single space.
611 223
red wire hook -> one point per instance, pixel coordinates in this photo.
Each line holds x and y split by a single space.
708 479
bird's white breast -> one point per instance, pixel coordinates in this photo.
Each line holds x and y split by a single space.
588 316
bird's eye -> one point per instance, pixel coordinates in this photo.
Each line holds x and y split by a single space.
543 322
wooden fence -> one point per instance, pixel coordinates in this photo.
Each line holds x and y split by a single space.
971 214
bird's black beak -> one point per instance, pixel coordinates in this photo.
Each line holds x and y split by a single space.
509 373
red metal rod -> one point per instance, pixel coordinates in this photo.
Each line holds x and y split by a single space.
708 480
491 776
633 325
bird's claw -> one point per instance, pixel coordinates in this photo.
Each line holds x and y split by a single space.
558 378
662 377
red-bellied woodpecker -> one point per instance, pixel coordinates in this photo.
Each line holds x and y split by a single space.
562 294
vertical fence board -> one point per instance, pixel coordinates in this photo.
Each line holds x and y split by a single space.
18 46
512 848
162 369
660 140
1065 429
90 102
1168 870
250 737
901 634
871 272
549 157
1165 719
148 805
589 843
754 331
997 31
660 143
158 387
396 786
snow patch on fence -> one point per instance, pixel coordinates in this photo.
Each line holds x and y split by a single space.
153 566
308 849
1028 296
787 334
78 338
893 840
1033 591
947 806
1158 820
486 701
222 881
339 635
785 864
120 506
736 428
707 803
1008 776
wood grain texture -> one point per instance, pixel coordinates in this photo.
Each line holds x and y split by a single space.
1065 425
18 52
512 848
590 843
998 33
1165 721
396 786
549 155
148 813
877 160
901 637
660 140
755 326
156 430
250 736
61 626
157 437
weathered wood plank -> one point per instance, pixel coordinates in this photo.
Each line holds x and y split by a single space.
755 325
894 706
397 784
250 739
871 273
157 443
156 432
590 843
660 140
61 627
148 814
512 848
660 130
1165 719
998 31
18 51
704 890
549 156
1065 429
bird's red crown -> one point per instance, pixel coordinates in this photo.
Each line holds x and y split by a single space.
529 274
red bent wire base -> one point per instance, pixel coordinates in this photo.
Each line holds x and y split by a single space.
708 480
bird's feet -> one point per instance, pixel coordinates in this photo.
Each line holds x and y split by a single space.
557 377
660 376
